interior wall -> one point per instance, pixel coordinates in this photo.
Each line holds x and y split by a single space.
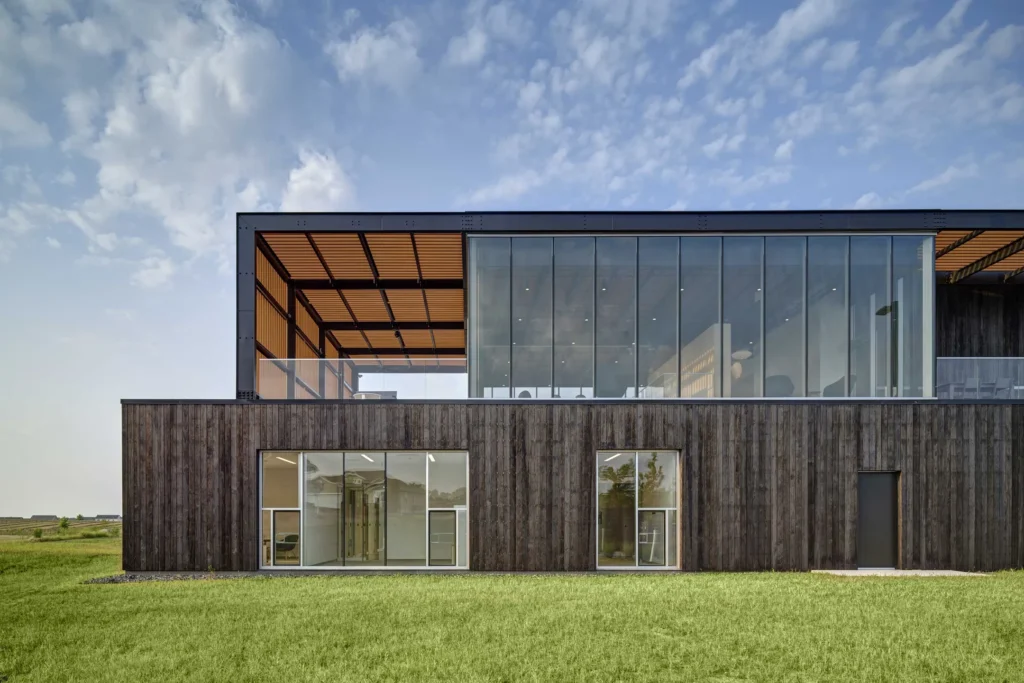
979 320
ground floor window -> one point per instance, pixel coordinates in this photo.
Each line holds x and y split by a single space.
637 509
365 509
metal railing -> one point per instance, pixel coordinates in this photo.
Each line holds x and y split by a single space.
443 378
981 378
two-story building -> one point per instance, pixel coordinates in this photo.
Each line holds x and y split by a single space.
602 391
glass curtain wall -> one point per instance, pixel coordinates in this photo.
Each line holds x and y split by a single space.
637 509
702 317
365 509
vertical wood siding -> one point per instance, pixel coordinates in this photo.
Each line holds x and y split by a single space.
765 486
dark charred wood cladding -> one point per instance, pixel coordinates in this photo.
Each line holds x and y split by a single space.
765 485
979 320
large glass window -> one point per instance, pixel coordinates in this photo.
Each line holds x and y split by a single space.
912 284
574 317
490 331
784 316
741 315
827 259
870 316
365 509
615 333
657 321
531 317
700 282
637 509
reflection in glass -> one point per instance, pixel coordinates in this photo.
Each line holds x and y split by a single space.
826 316
531 317
656 317
574 317
265 554
616 509
406 509
870 316
699 266
489 331
364 509
442 538
651 538
322 519
741 316
656 475
671 540
912 286
462 549
784 316
447 479
615 332
280 479
286 537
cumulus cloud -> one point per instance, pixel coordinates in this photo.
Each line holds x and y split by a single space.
388 56
487 25
784 152
318 183
18 129
841 56
52 243
153 271
948 176
869 200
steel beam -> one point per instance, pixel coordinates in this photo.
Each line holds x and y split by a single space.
959 243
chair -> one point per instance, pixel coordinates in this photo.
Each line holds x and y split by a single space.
286 545
1002 388
972 386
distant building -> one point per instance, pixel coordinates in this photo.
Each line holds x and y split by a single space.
108 518
44 518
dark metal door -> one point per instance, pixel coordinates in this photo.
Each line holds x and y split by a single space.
876 519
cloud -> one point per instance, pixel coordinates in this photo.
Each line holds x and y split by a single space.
387 56
530 94
52 243
485 27
153 271
506 188
727 143
871 200
720 7
18 129
65 177
738 184
892 33
841 56
784 152
467 49
948 176
317 184
798 24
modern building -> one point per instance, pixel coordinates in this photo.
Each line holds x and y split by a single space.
602 391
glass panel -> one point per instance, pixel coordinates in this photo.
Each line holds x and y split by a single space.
912 283
281 479
442 538
447 479
700 279
826 316
364 509
671 538
616 508
286 537
657 320
322 521
531 317
265 548
462 515
651 538
490 334
407 509
657 479
616 317
741 313
574 317
870 317
784 316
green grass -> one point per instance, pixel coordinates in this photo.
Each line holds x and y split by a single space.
700 627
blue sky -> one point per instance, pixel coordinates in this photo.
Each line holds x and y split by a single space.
130 134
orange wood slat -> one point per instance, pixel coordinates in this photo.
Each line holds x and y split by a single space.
445 305
349 339
393 255
271 281
308 370
440 254
344 255
305 322
296 255
1007 264
450 339
383 339
417 339
978 248
947 237
407 305
271 381
271 327
367 305
328 305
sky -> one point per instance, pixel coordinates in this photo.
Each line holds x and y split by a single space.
131 133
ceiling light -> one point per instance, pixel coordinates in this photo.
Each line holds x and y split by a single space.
603 289
654 319
520 320
833 289
290 462
616 362
586 320
563 362
527 289
751 343
574 343
787 320
431 456
366 457
612 457
759 289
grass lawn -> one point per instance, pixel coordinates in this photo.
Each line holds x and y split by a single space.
697 627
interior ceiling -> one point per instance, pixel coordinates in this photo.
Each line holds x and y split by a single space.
956 250
365 287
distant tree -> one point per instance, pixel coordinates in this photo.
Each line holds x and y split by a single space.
38 533
63 523
79 517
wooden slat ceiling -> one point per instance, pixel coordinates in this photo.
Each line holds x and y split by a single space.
977 248
397 256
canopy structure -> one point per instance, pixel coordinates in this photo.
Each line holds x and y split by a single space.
959 254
